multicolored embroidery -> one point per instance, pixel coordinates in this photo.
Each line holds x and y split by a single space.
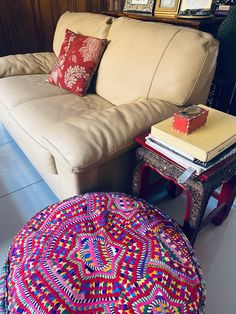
101 253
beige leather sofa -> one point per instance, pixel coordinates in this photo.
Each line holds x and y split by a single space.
81 144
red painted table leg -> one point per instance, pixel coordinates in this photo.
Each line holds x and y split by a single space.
144 176
225 200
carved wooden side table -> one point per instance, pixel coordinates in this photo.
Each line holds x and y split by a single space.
198 189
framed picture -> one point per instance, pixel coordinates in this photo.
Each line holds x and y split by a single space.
139 6
167 7
200 8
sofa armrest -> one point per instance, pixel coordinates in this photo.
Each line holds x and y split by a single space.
30 63
84 141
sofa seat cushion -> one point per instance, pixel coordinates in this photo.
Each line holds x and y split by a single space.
16 90
102 136
39 115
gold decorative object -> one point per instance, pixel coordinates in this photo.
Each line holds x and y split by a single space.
167 8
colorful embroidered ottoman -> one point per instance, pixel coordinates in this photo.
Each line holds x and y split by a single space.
101 253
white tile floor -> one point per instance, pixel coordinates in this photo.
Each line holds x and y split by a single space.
215 249
23 193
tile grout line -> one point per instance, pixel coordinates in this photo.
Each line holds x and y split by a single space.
21 188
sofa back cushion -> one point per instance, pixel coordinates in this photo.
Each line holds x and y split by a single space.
156 60
89 24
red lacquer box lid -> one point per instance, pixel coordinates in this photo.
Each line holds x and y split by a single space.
190 119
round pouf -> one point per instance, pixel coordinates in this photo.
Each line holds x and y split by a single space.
101 253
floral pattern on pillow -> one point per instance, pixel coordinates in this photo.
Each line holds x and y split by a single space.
77 62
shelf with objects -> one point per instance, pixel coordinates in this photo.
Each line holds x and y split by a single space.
209 25
117 9
223 6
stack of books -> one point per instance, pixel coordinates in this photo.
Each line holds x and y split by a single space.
200 150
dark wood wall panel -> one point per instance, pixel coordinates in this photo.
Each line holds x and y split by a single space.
29 25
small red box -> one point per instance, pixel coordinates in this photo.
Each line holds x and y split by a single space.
190 119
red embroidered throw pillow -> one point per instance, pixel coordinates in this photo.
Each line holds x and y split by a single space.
77 62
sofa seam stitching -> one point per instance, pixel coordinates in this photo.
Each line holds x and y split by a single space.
89 164
27 132
154 74
199 73
33 139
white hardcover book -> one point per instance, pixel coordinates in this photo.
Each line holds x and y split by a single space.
172 148
182 161
205 165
